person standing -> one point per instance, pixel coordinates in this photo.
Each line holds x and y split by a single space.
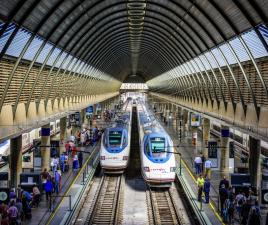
208 166
225 182
80 159
36 196
203 158
223 192
207 189
198 163
75 162
12 213
200 184
62 162
57 182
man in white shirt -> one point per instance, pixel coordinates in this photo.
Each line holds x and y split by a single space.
208 165
198 164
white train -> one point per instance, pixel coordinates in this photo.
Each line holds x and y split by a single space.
158 164
115 143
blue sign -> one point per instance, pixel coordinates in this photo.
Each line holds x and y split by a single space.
45 132
225 133
89 109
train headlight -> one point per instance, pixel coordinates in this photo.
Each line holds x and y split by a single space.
172 169
125 157
146 169
102 158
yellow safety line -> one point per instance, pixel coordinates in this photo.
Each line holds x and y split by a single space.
210 204
66 192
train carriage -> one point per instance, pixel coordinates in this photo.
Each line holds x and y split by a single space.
115 143
158 163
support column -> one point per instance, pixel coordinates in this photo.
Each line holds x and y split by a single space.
185 120
206 135
254 162
45 151
224 146
15 162
63 133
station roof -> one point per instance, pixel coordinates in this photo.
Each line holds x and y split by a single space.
149 37
194 48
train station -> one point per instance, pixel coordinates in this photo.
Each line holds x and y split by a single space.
133 112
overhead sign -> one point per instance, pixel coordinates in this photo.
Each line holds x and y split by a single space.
195 120
89 109
213 153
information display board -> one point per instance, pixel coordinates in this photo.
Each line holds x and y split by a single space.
89 109
213 153
195 120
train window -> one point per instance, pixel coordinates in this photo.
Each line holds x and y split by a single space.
157 146
115 138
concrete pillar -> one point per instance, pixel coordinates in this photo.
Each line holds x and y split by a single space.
82 116
206 135
45 151
185 119
63 133
224 146
15 162
254 161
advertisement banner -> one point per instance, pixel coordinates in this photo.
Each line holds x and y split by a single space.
195 120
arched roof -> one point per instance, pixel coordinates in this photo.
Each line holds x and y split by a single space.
173 31
192 48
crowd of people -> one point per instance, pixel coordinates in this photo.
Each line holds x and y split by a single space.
238 205
19 206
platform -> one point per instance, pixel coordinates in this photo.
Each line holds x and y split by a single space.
209 210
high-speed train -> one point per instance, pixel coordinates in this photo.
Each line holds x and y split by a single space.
115 143
158 163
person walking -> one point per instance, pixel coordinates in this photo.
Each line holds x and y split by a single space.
208 166
44 177
239 200
54 164
207 189
200 184
48 188
245 212
198 163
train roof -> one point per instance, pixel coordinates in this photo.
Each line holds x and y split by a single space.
149 123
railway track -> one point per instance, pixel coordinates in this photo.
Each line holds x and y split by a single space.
161 207
106 207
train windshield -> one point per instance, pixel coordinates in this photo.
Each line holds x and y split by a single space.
158 147
115 138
